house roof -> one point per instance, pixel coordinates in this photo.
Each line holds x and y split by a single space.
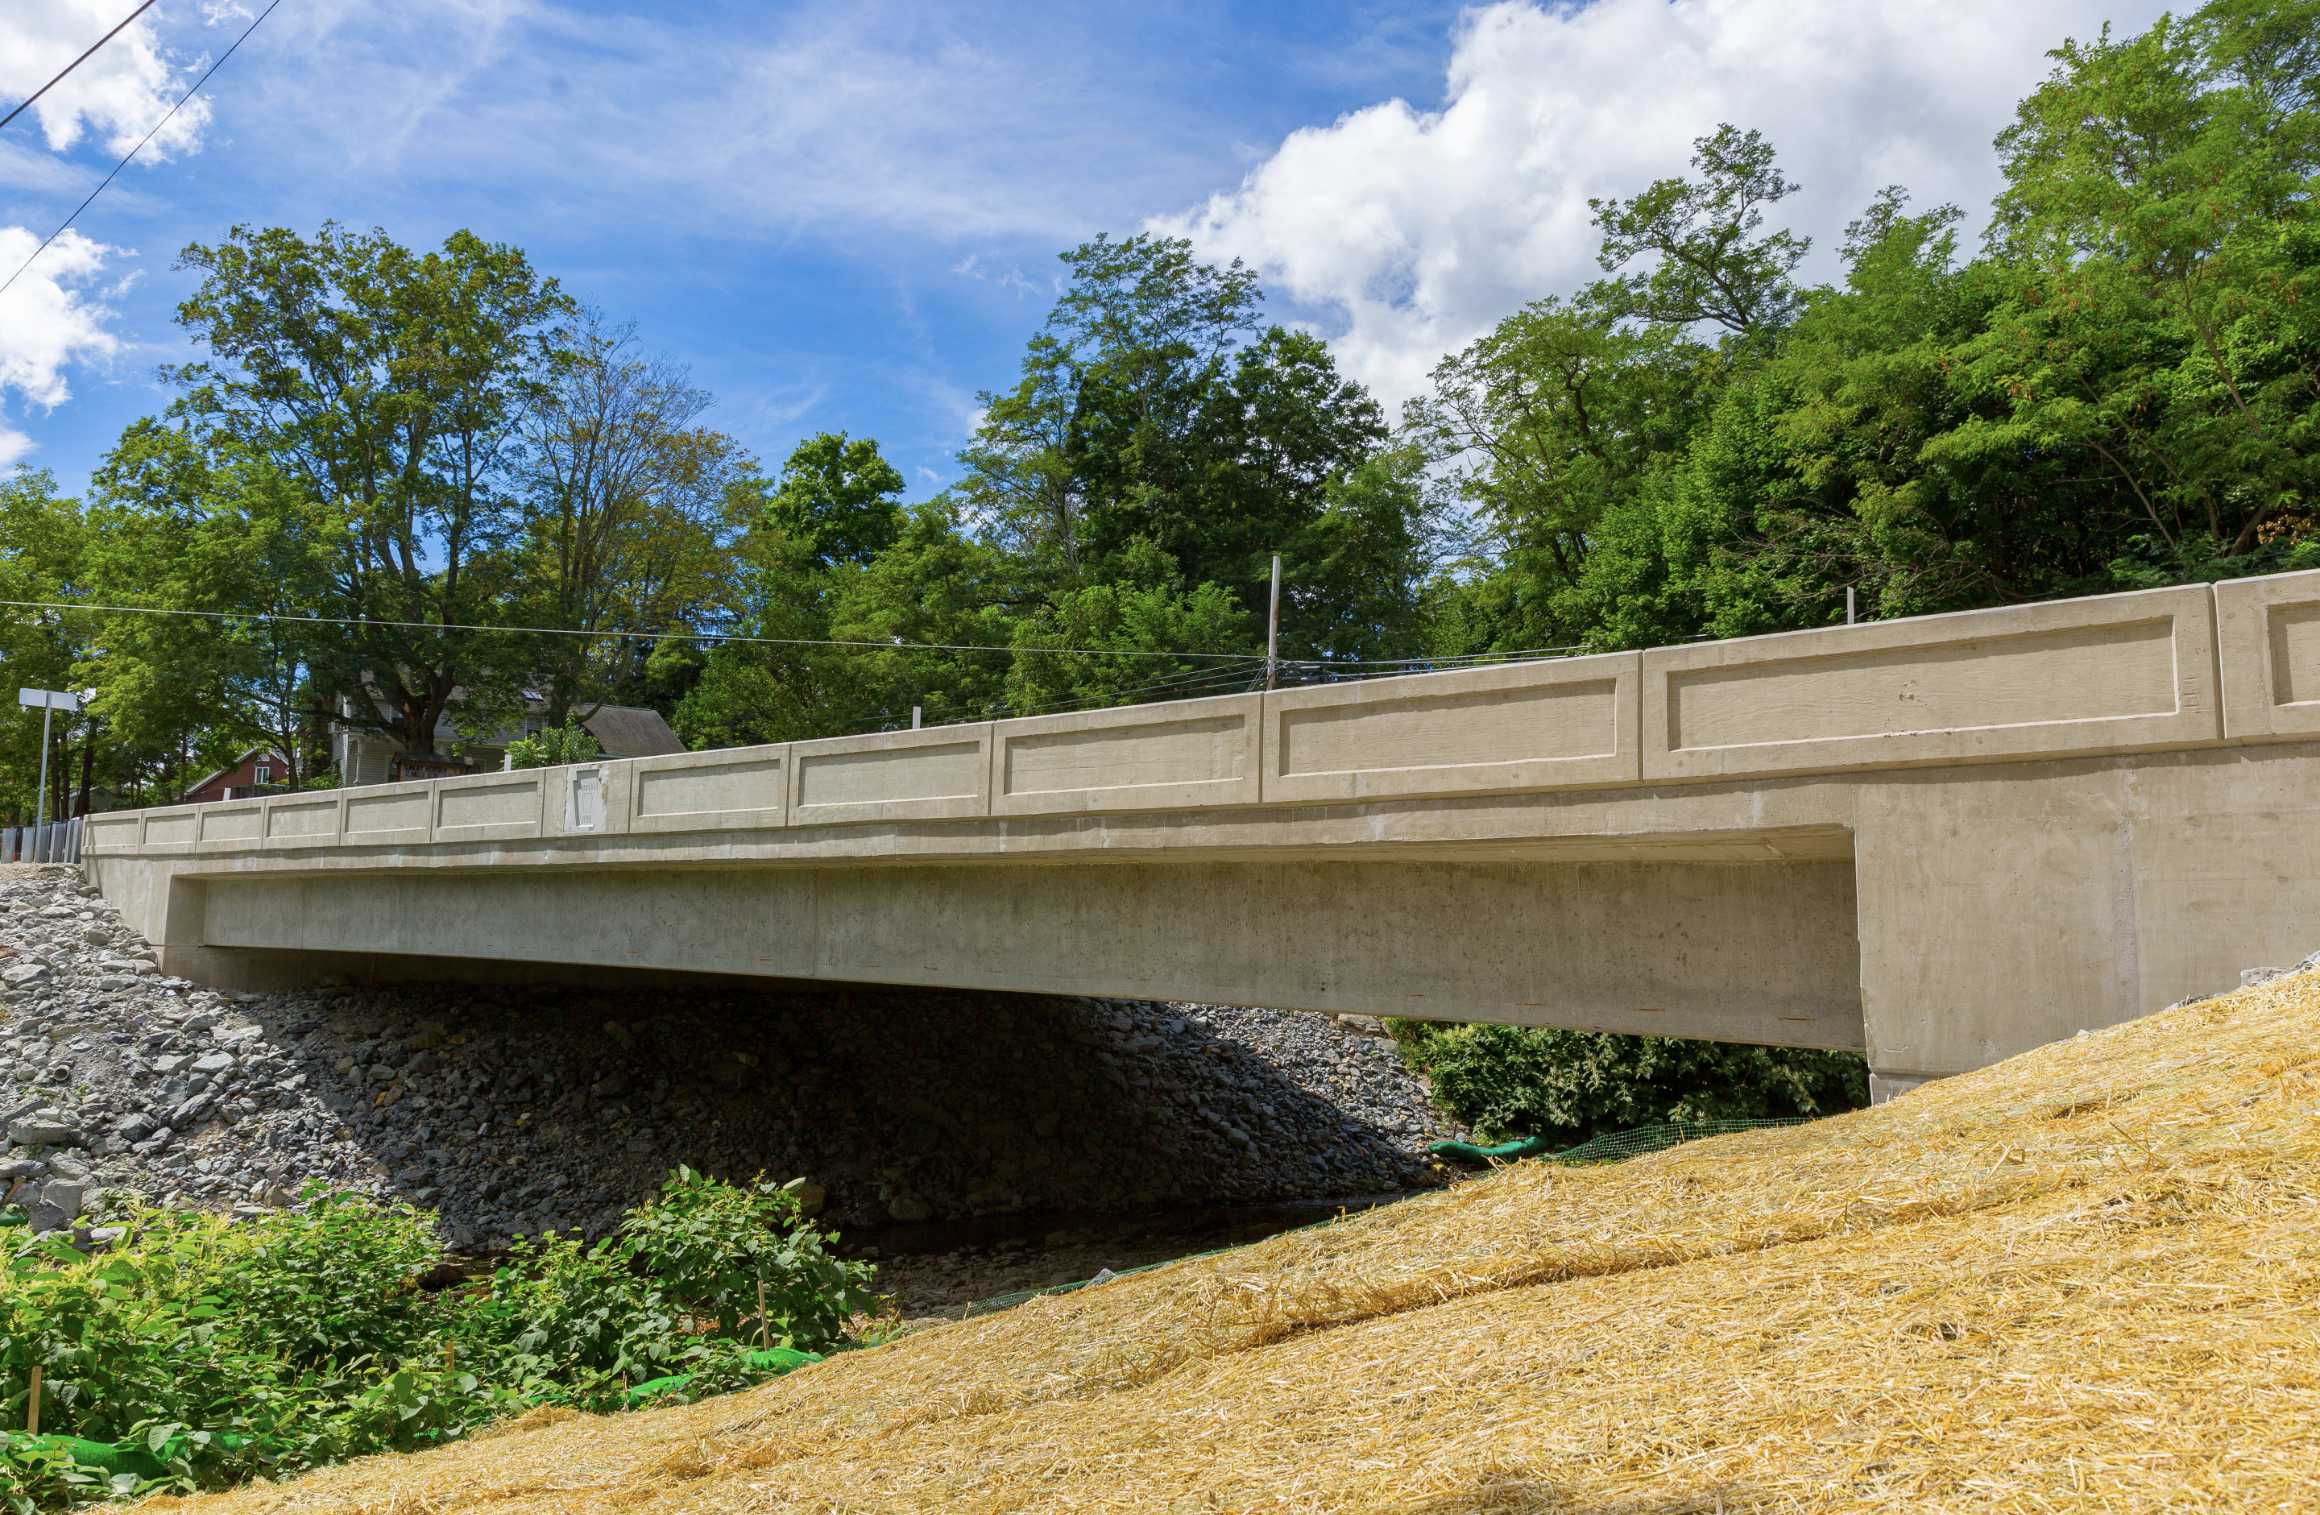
626 731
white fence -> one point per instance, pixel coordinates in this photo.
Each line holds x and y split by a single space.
57 842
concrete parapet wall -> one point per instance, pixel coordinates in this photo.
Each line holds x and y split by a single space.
896 775
1188 754
2115 674
1566 724
709 791
2122 673
2269 632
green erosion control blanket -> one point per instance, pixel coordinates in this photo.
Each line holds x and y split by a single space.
774 1360
1602 1149
132 1457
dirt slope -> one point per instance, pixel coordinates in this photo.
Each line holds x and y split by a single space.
2087 1279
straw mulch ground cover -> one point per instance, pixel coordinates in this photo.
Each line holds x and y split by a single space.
2086 1279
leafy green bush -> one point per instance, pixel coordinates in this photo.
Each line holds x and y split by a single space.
554 747
216 1351
1509 1081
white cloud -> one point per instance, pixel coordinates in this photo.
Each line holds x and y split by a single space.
117 95
863 117
1410 231
51 318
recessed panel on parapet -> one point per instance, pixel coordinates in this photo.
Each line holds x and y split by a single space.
1176 756
727 790
303 820
488 807
233 824
387 815
939 774
112 833
2269 641
1569 723
2121 673
173 830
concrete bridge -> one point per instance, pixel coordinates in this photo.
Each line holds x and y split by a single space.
1938 841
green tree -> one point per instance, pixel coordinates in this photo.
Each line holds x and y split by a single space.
825 554
1155 411
42 541
621 505
2157 222
1711 259
1570 1086
1555 416
391 387
839 498
236 552
1114 629
554 747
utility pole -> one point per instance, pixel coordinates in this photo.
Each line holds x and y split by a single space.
1273 628
1851 606
49 701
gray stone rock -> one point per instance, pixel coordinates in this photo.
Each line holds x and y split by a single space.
45 1128
65 1195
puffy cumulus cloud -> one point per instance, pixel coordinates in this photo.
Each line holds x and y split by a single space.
1408 231
116 96
51 318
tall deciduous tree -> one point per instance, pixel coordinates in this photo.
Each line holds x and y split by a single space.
42 545
621 503
1710 258
238 554
2158 221
1156 411
391 387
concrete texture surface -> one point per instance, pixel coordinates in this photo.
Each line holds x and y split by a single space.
1941 840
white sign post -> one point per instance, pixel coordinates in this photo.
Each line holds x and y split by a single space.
48 701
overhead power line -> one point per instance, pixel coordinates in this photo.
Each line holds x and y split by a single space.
1226 663
140 147
26 103
632 636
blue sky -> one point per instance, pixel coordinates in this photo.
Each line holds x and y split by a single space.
846 216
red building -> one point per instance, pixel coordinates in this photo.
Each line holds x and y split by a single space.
256 771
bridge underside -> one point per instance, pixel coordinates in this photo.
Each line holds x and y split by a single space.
1749 952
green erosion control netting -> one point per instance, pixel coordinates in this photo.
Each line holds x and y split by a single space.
774 1360
1611 1148
1604 1149
138 1458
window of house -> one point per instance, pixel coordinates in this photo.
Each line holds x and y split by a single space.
265 773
